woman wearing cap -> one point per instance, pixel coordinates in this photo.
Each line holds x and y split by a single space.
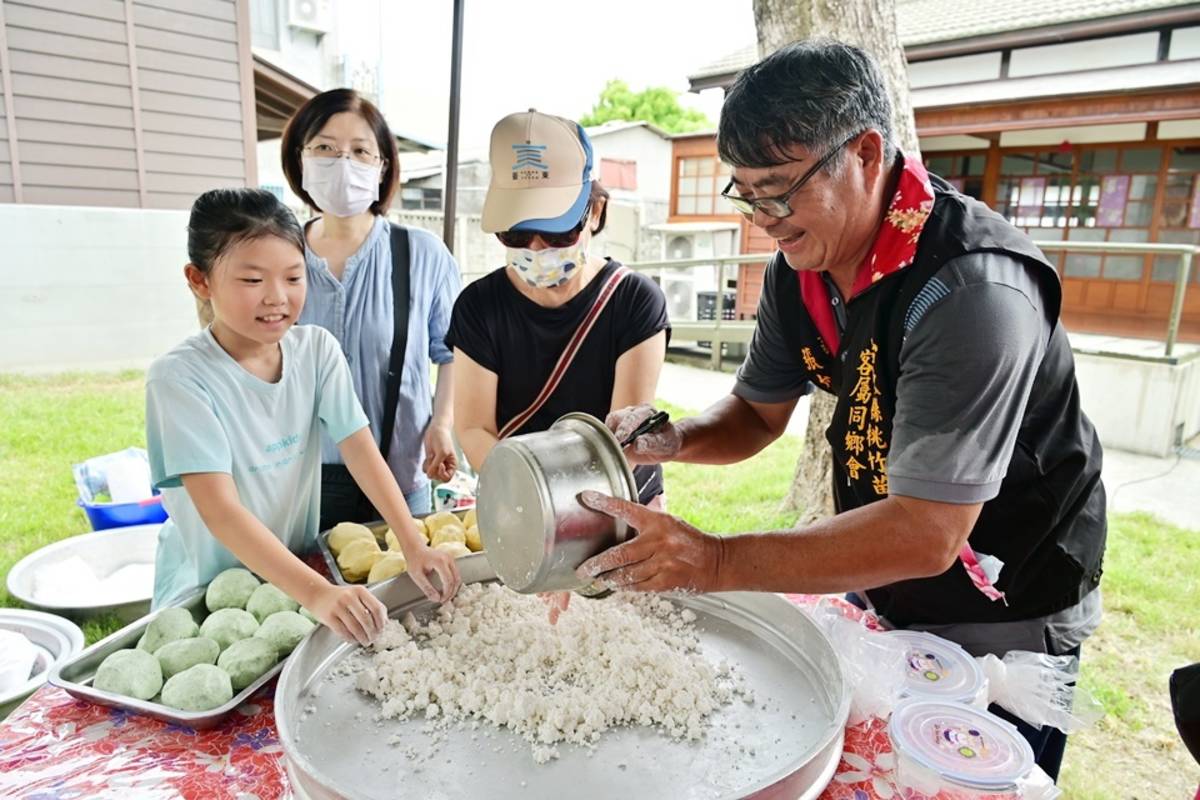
340 158
511 328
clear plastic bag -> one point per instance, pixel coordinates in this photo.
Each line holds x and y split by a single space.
124 476
874 665
1041 689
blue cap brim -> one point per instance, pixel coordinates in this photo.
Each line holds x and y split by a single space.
563 222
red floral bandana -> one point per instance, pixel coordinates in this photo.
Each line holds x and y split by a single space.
894 248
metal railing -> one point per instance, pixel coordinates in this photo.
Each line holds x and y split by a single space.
719 331
1182 275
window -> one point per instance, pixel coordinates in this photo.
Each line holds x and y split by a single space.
1180 220
416 198
963 171
699 185
264 23
618 173
1034 189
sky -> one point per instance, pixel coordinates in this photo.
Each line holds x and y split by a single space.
553 55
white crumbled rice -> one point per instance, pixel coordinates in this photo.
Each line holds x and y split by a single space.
491 654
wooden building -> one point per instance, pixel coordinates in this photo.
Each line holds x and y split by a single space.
1079 121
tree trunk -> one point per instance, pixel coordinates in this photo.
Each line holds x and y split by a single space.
871 25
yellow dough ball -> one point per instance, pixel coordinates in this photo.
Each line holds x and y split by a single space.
391 565
456 549
356 560
393 544
470 519
344 533
473 540
435 521
449 533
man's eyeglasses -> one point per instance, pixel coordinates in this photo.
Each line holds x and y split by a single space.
777 206
522 239
360 154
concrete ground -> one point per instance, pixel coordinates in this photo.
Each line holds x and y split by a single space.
1166 487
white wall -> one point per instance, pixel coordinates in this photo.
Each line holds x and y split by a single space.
652 154
1139 405
91 288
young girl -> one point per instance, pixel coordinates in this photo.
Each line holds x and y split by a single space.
233 422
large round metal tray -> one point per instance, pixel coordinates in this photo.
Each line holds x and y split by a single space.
105 552
786 745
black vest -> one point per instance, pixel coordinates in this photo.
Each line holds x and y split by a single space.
1048 522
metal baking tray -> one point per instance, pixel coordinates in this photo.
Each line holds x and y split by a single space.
787 745
75 676
378 529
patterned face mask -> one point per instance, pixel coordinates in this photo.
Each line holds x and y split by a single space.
547 268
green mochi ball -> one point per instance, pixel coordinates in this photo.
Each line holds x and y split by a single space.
228 625
247 660
202 687
133 673
308 615
284 630
168 625
183 653
268 599
231 589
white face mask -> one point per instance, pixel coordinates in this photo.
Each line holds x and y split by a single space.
547 268
341 186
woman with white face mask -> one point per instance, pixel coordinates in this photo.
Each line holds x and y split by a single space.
340 158
556 294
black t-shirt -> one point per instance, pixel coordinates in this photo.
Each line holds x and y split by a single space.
520 341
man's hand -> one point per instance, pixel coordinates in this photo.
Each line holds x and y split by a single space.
667 553
649 448
351 611
441 461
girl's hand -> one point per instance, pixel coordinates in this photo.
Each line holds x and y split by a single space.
441 460
351 611
424 561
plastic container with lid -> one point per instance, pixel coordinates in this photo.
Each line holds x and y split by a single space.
953 751
938 669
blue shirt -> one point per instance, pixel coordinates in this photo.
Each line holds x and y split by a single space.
206 413
358 311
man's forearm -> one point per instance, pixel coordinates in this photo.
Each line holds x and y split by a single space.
881 543
729 431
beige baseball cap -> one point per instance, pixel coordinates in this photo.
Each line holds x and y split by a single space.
541 174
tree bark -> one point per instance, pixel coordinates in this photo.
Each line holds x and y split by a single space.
871 25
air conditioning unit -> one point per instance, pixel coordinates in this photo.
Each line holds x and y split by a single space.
311 15
680 291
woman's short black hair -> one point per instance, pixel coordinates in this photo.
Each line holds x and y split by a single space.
307 123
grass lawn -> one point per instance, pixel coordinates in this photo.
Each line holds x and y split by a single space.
1150 582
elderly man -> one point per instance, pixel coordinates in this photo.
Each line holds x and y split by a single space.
966 477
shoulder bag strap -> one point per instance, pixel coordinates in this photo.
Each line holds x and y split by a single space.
401 259
568 355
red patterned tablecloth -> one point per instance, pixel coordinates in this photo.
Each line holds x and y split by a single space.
55 747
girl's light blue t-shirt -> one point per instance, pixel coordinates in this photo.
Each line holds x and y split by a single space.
358 310
205 413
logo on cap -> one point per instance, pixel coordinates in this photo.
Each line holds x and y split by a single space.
529 164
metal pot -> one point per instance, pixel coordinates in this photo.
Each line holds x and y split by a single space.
535 533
